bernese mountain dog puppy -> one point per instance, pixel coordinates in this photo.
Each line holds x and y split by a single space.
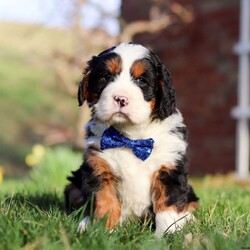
136 142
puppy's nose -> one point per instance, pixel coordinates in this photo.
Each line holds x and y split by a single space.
121 100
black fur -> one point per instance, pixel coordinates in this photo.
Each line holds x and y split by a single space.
80 95
87 183
178 191
165 101
156 82
148 80
98 78
181 132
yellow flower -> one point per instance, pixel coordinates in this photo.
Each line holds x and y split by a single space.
30 160
35 156
1 174
38 151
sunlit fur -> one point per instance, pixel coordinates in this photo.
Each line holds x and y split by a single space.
149 114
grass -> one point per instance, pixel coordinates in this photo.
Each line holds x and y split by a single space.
32 215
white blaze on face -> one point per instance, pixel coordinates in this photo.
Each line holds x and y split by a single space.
137 109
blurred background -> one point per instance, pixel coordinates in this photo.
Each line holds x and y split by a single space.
44 46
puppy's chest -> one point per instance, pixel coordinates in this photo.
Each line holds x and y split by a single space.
134 174
134 181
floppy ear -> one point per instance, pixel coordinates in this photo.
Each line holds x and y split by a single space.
82 89
83 93
165 95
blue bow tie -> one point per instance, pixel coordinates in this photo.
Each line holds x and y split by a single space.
111 138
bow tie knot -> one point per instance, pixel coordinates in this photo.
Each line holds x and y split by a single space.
111 138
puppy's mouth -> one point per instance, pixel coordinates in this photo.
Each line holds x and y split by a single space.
119 117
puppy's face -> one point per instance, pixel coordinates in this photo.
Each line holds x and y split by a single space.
127 84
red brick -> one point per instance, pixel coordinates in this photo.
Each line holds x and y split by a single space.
204 71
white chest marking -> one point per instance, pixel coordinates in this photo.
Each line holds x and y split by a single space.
135 174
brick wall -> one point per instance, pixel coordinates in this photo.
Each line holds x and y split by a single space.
204 71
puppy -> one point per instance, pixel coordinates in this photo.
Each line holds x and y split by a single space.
136 143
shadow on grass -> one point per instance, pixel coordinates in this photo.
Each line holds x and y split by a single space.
44 201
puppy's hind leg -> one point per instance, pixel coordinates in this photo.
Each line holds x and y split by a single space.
73 198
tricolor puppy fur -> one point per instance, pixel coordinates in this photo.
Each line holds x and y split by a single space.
130 91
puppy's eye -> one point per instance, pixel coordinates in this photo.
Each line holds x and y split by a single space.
141 81
106 77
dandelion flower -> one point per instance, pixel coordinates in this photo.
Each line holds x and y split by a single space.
1 174
30 160
38 151
35 156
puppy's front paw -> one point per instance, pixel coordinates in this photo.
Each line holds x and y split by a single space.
171 221
83 224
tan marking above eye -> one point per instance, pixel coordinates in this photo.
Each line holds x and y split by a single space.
114 65
138 69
